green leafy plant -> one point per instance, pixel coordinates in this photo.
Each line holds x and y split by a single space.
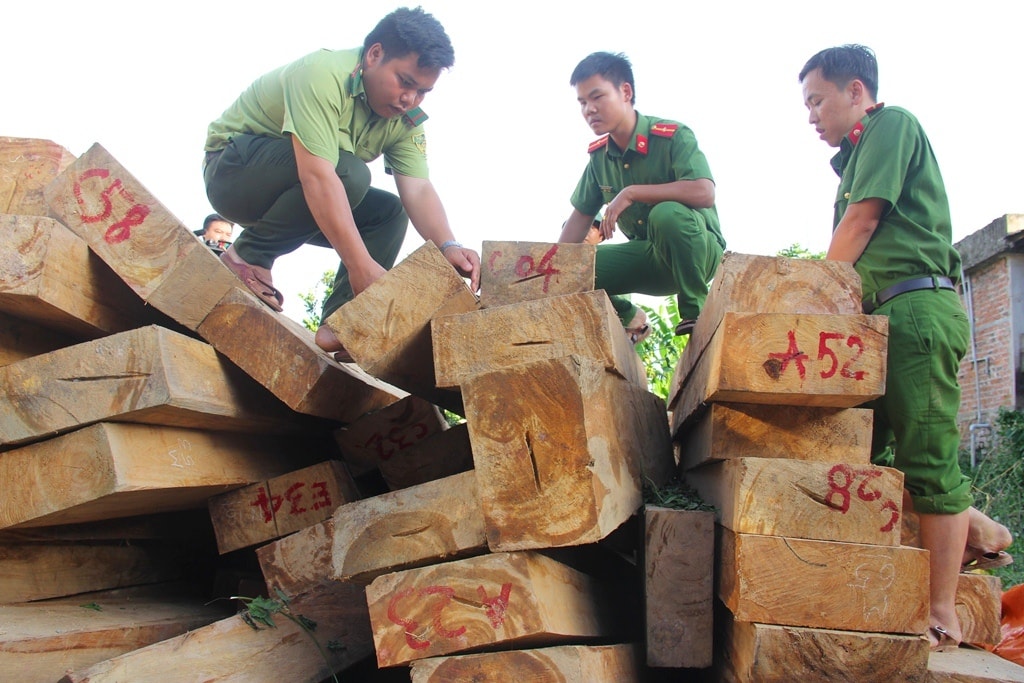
313 300
998 486
259 613
676 494
661 350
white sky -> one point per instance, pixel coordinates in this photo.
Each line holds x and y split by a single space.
506 139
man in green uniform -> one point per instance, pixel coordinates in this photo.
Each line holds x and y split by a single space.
892 222
658 189
287 161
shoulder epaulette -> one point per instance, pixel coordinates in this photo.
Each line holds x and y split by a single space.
664 130
414 117
598 143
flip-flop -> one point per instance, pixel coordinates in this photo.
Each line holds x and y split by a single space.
265 291
685 327
989 560
944 641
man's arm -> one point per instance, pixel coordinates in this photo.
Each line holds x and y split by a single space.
427 214
855 229
576 228
325 195
696 194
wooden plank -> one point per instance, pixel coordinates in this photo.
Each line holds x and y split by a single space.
41 640
747 283
288 362
386 328
20 339
440 455
35 572
824 584
282 505
502 599
149 375
139 238
160 259
766 653
49 276
424 524
562 663
27 166
494 338
979 608
798 499
787 359
167 526
965 665
679 560
382 434
738 430
113 470
230 651
513 272
555 447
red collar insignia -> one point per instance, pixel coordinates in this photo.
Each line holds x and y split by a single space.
598 143
854 135
641 144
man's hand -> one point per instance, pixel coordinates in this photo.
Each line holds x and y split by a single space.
467 262
623 200
364 276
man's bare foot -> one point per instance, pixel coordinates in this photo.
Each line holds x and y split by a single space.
329 342
986 534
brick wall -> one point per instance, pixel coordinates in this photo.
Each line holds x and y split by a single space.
989 369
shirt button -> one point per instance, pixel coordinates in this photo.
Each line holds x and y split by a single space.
846 196
625 166
640 222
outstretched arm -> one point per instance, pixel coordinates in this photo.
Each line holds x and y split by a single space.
325 195
427 214
576 228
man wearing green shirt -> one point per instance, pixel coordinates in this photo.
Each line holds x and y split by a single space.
892 222
287 162
658 190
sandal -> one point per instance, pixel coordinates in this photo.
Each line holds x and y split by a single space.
262 288
943 641
685 327
982 560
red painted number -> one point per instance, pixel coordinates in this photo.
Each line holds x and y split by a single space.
119 230
271 505
840 480
441 597
397 439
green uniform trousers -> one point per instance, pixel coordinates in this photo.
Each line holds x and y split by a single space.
254 182
915 427
676 254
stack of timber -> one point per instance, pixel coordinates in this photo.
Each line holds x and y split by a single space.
813 583
142 430
167 441
514 555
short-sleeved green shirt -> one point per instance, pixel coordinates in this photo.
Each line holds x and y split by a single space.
320 99
661 151
887 156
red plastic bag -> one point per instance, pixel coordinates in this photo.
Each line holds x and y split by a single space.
1011 645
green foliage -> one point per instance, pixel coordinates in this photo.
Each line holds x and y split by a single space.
998 486
259 613
661 350
796 251
313 300
676 495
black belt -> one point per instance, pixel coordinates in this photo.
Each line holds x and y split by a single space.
930 282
